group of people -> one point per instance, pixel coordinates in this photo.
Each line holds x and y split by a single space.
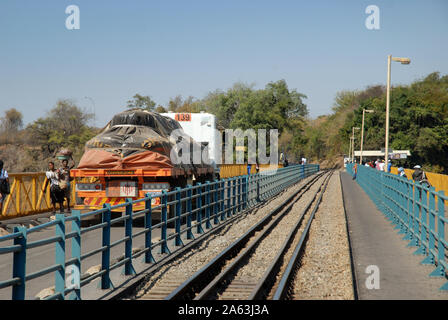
418 175
59 180
379 164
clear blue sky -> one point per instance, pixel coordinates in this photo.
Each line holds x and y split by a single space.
165 48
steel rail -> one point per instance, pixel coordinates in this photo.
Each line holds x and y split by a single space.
267 281
289 272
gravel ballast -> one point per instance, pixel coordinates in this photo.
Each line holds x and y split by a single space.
325 270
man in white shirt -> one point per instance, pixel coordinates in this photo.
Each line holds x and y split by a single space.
381 165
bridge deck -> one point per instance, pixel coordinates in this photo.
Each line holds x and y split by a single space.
375 242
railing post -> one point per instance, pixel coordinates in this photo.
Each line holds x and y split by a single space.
199 207
432 227
148 226
105 256
423 229
415 216
208 225
221 206
128 268
164 203
245 190
240 194
59 279
229 197
216 202
189 209
19 264
394 198
76 253
178 240
403 203
234 196
440 270
409 220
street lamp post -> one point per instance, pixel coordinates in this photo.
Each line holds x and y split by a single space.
353 144
362 130
350 150
389 60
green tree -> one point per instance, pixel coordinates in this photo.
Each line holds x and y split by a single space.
64 126
10 124
143 102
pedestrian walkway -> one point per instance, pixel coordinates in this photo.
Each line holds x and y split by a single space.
375 243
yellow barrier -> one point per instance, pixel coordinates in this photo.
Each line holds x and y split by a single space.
27 195
234 170
438 181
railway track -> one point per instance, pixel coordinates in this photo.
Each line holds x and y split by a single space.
227 276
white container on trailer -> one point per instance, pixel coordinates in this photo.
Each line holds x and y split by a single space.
202 128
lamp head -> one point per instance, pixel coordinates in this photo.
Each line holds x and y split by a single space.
402 60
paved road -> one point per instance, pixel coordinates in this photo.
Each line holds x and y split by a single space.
376 243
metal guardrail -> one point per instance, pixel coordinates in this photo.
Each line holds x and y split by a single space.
418 213
200 207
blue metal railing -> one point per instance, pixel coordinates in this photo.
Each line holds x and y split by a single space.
200 207
416 211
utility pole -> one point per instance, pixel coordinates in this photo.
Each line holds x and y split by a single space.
389 60
353 144
362 131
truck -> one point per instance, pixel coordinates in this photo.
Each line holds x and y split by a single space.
131 157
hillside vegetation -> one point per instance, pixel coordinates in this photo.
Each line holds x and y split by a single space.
418 122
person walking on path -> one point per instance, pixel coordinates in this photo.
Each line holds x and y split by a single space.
248 168
4 185
355 170
56 194
65 180
420 176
